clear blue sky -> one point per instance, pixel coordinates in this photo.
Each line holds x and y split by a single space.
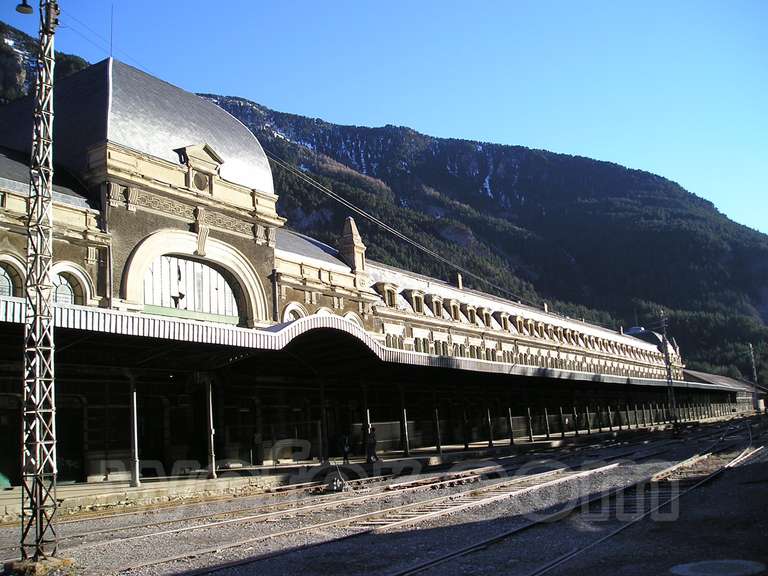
677 88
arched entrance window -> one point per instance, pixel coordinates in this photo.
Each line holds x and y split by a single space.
189 288
64 289
11 279
7 286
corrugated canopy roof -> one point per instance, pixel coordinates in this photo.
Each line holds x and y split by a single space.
717 379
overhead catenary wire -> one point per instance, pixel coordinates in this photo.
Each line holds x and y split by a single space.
71 22
383 225
360 211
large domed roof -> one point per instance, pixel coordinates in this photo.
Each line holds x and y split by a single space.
112 101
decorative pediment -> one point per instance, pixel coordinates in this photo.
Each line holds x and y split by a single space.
203 164
199 154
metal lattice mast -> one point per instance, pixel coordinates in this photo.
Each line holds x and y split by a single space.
38 537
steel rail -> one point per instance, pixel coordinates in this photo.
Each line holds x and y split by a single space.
743 456
448 479
347 520
746 453
351 520
275 492
331 501
325 505
83 517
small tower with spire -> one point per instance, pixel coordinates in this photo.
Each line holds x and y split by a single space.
352 250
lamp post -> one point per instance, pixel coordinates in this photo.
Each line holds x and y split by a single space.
755 401
38 537
668 364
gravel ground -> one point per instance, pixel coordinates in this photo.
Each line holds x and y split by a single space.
686 533
365 553
266 502
379 553
104 559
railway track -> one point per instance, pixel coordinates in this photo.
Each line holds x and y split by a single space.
304 487
396 516
267 511
412 513
626 505
374 521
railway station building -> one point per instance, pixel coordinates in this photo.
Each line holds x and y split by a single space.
195 330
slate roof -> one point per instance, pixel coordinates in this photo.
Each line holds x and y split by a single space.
14 176
296 243
116 102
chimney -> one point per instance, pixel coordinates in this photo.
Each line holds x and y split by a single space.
351 247
546 307
459 281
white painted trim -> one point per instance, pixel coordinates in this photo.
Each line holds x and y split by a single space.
291 307
15 262
354 318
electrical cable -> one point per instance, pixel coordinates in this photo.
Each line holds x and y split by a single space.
105 43
357 210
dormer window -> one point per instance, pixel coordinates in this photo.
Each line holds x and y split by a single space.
472 316
416 299
388 293
485 316
418 304
436 305
454 310
505 323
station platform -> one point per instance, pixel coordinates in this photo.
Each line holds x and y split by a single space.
100 497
